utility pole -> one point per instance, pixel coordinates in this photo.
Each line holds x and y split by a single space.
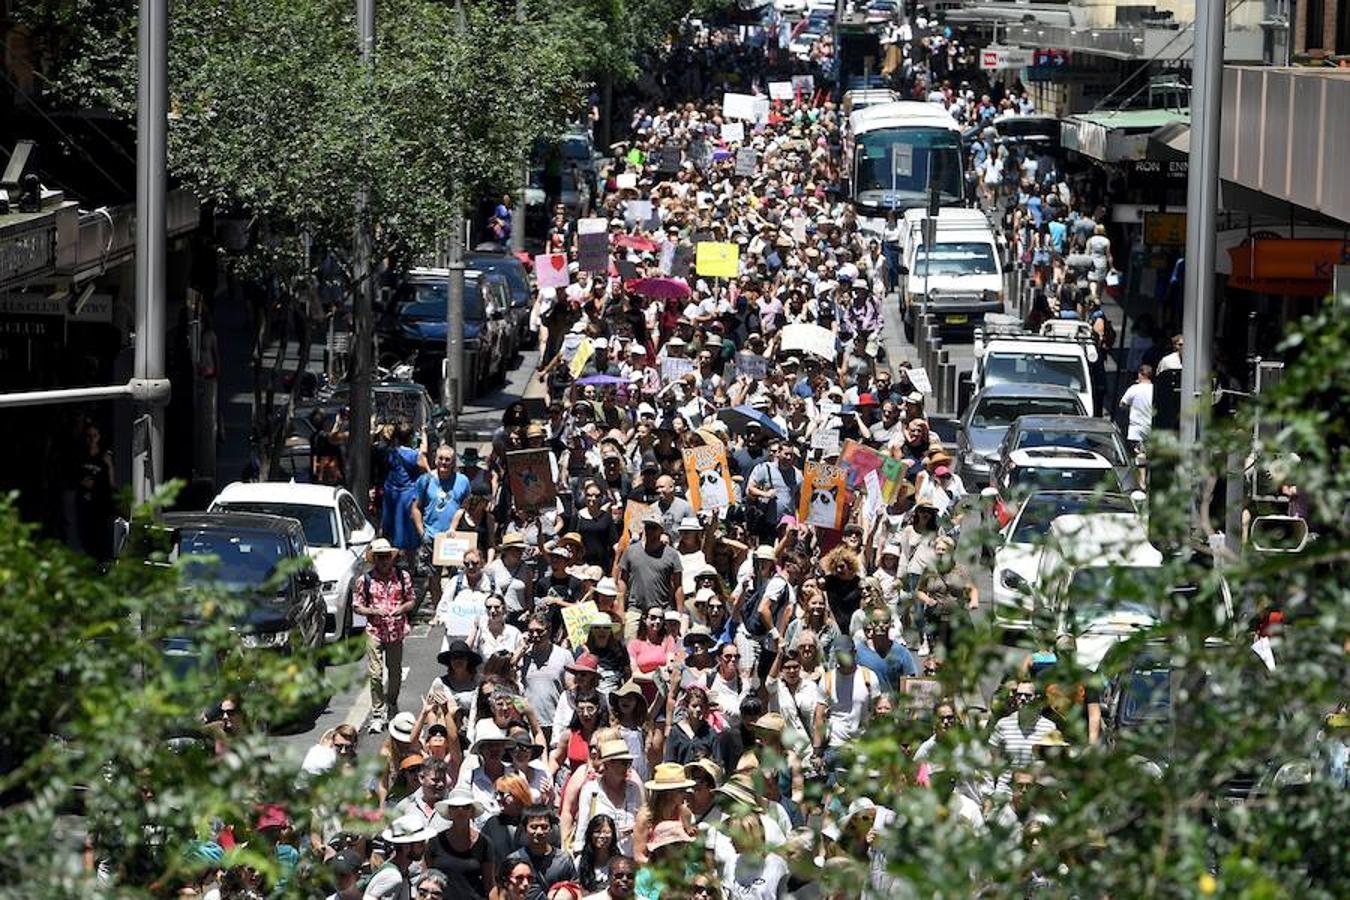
1202 202
152 107
453 387
518 214
358 439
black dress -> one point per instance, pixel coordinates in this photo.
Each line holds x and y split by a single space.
598 537
684 748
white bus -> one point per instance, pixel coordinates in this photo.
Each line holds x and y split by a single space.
893 154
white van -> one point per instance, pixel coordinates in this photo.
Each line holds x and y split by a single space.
961 274
1101 580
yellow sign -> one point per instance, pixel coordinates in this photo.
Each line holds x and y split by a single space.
578 618
1165 229
717 260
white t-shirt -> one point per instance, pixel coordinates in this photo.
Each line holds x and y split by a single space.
593 801
753 877
1138 398
1169 362
488 644
850 697
387 883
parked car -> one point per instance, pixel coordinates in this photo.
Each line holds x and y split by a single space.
336 535
1017 559
517 282
240 553
993 411
1077 430
415 323
1010 356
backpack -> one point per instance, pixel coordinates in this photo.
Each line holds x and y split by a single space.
404 583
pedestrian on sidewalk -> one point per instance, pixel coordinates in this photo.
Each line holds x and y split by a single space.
385 597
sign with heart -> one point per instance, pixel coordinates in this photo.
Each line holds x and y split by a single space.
550 270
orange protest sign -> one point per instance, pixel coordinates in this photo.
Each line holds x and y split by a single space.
824 495
709 477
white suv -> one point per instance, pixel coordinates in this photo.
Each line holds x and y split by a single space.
1004 358
335 529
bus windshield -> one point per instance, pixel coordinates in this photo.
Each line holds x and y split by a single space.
892 167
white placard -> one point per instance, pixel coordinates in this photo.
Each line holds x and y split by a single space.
873 506
808 338
781 90
919 378
740 106
625 180
594 225
733 132
826 439
637 212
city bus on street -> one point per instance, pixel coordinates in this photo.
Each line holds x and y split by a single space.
894 153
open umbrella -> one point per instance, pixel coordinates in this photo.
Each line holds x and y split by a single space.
738 417
662 288
636 242
602 379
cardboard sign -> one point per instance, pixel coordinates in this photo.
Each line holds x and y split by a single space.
826 440
808 338
668 160
593 245
450 546
625 181
740 106
709 477
717 260
824 496
747 162
873 506
752 365
637 212
550 270
530 476
804 83
892 476
781 90
633 512
921 693
673 368
394 406
861 461
919 378
700 155
577 619
733 132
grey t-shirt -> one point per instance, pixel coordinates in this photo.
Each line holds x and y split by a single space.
670 518
543 682
648 575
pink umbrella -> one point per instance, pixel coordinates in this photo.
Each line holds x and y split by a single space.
662 288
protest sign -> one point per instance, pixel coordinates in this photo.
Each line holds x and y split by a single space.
919 378
668 160
828 408
577 619
826 440
633 512
709 477
892 477
733 132
740 106
570 343
747 162
873 506
593 245
824 496
781 90
450 546
530 476
625 181
700 155
860 460
717 260
637 213
682 262
458 609
394 405
804 83
550 270
585 350
673 368
752 365
809 339
666 262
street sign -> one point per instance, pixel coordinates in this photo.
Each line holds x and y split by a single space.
1004 58
1165 229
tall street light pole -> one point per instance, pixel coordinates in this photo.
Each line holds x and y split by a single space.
521 207
358 440
1202 202
152 107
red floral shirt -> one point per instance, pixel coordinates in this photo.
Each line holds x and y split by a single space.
385 595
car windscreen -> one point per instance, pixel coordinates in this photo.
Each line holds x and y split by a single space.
244 560
1042 509
1035 368
1067 478
1104 443
428 300
1146 696
956 258
1098 591
317 521
1003 411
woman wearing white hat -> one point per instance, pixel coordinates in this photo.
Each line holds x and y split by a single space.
613 794
460 851
408 836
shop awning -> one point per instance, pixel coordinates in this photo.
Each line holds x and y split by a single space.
1117 135
1301 267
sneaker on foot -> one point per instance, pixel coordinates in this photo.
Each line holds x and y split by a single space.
376 726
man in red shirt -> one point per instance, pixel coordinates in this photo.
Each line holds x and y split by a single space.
384 597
